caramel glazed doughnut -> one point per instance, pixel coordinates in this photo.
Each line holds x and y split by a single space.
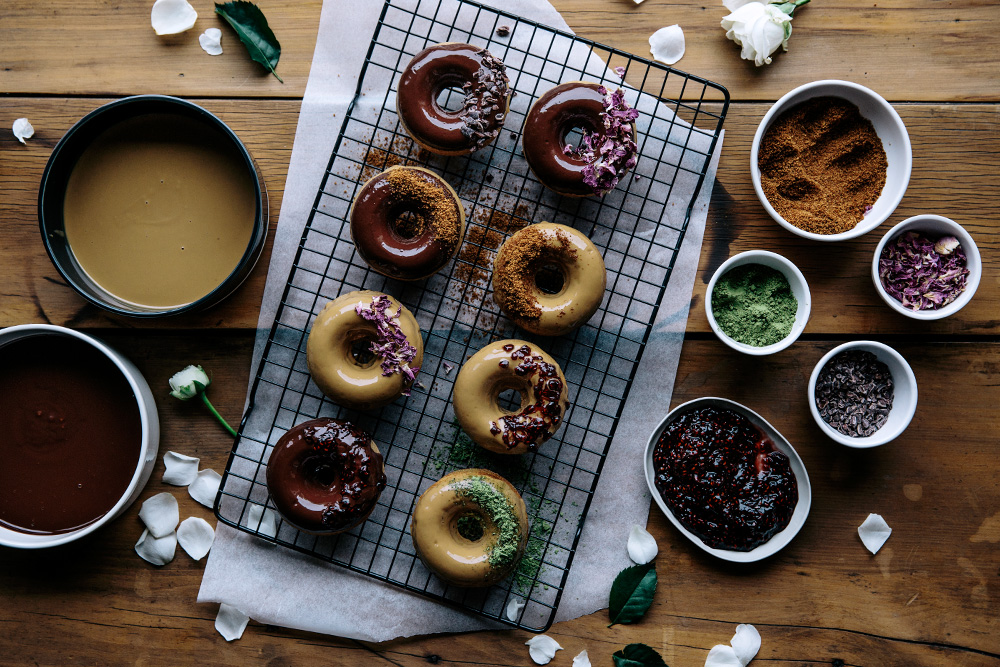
470 527
607 151
325 476
364 350
517 365
527 273
478 73
407 222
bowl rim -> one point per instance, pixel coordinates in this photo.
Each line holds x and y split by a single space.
865 225
779 540
971 252
870 441
147 420
797 327
248 260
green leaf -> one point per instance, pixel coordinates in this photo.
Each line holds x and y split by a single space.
638 655
251 27
632 593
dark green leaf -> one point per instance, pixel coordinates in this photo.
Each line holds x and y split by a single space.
251 27
632 593
638 655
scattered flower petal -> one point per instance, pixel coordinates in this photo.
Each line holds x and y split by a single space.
514 608
610 151
620 71
23 130
641 545
170 17
231 622
211 41
391 344
582 660
667 44
638 2
874 532
542 649
156 550
181 469
262 520
195 536
447 367
746 643
160 514
722 656
189 382
205 487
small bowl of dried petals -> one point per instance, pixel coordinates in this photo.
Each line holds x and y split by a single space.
927 267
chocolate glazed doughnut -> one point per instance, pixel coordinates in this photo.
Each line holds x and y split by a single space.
407 222
325 476
595 166
478 73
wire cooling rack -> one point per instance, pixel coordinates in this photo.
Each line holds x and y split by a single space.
638 228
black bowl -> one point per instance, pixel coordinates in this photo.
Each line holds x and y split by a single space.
64 157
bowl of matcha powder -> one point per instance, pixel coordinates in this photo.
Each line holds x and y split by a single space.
757 302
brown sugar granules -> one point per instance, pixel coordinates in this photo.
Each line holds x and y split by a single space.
822 166
432 203
515 267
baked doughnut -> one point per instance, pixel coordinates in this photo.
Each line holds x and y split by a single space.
549 278
325 476
607 151
523 367
407 222
364 350
483 79
470 527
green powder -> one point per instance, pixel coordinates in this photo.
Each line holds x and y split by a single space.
754 305
496 506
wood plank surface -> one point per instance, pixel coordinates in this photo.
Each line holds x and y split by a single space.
956 151
926 599
907 50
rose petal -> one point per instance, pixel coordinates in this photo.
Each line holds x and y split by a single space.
582 660
180 469
23 130
160 514
170 17
641 545
195 536
874 532
542 649
156 550
745 643
211 41
205 487
230 622
733 5
514 608
722 656
667 44
261 520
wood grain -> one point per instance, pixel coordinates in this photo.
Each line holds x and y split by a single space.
926 599
956 158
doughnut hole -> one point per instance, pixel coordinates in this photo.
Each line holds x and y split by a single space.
451 97
407 223
550 278
470 526
359 348
509 400
321 472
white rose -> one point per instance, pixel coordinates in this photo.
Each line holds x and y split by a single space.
189 382
760 29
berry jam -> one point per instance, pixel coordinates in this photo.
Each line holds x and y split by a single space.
535 423
723 479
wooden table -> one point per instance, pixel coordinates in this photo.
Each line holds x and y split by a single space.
932 594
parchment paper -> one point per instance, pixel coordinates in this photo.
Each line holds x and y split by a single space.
278 586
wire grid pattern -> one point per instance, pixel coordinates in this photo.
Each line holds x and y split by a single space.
455 309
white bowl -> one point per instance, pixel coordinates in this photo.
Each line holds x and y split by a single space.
904 401
934 226
149 423
779 539
796 282
890 130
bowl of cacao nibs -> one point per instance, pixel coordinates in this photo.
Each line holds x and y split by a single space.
862 394
927 267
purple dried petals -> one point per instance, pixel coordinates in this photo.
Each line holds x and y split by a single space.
620 71
914 270
390 344
613 151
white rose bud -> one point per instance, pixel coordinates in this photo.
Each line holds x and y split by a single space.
760 29
189 382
